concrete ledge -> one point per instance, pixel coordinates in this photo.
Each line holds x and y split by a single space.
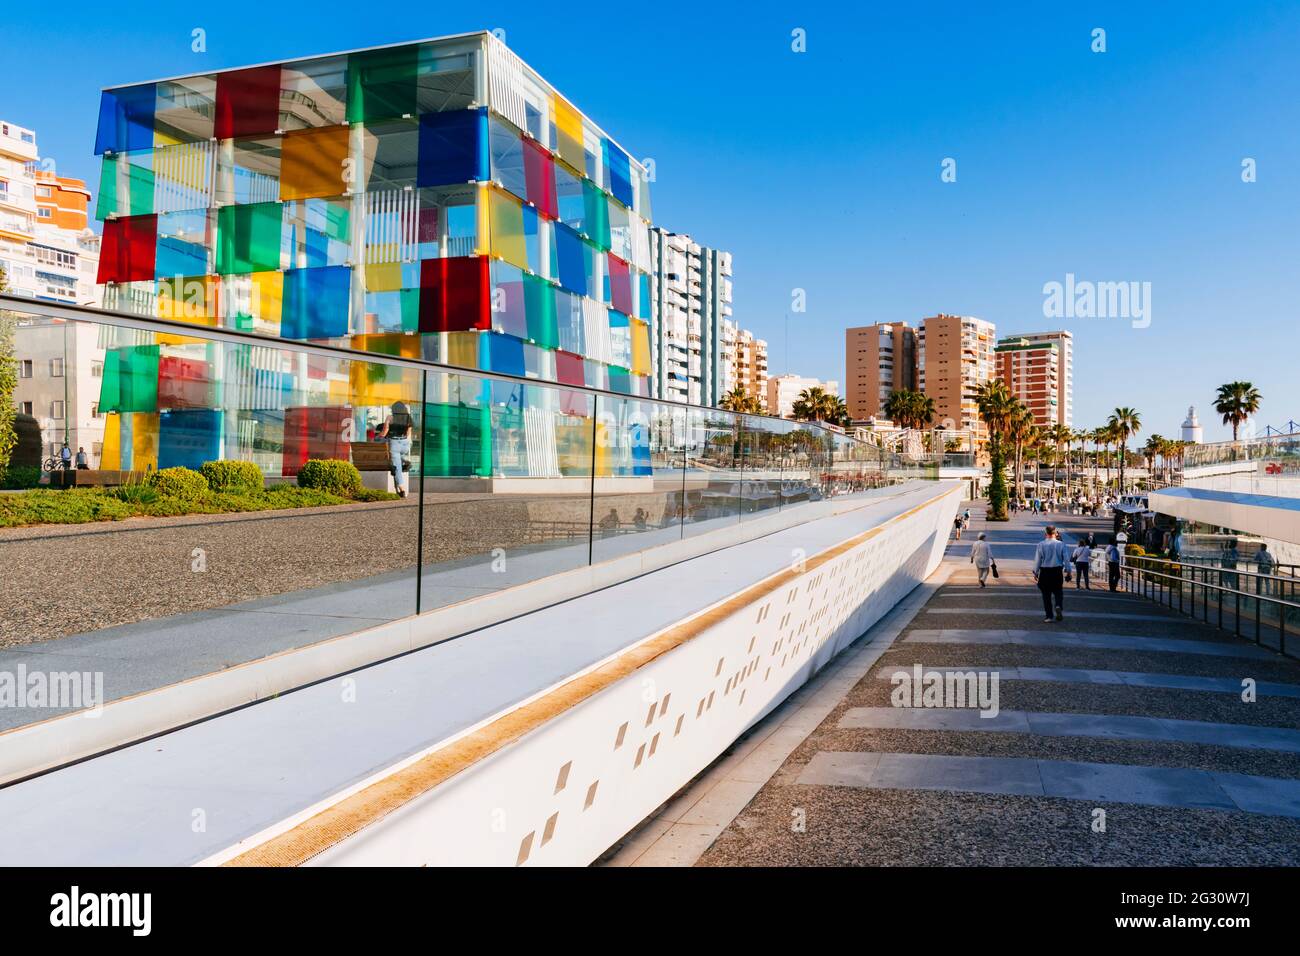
38 747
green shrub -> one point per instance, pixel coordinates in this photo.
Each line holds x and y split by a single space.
75 506
1136 550
183 483
331 475
135 494
236 476
17 477
374 494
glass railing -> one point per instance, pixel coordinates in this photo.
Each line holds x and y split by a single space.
217 515
1261 466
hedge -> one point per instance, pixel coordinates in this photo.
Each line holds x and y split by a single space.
330 474
234 476
183 483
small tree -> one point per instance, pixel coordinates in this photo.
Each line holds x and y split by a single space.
8 381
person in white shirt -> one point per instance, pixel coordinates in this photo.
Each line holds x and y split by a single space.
1050 558
982 558
1081 557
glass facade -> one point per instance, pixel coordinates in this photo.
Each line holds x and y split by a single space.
436 199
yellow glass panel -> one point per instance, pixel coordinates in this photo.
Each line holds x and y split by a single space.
462 349
640 346
144 441
604 441
568 130
313 163
506 222
194 300
384 276
110 459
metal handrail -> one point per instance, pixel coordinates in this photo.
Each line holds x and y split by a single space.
1162 583
1209 567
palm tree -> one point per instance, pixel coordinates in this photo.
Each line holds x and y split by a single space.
996 406
1101 439
1081 436
1022 431
909 409
1236 402
739 400
1125 422
1059 434
814 404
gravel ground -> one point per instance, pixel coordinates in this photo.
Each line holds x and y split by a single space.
59 580
860 826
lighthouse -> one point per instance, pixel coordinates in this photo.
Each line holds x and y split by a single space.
1192 431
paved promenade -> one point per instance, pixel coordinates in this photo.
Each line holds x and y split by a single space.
1120 737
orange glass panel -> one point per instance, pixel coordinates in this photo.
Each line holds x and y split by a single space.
313 163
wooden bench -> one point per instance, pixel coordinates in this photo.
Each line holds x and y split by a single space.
95 478
371 456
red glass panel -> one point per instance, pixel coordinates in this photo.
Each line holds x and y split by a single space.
568 368
248 102
315 433
620 285
539 176
184 383
454 295
128 250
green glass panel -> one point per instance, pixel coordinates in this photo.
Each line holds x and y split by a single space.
457 441
596 214
130 382
539 306
248 238
125 187
382 84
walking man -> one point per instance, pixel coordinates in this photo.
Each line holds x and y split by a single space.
397 431
1112 565
981 557
1049 571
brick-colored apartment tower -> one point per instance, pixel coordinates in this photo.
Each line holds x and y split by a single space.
1037 369
954 356
879 359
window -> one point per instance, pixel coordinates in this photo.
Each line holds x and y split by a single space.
25 368
96 369
44 213
4 186
25 407
56 409
94 410
44 191
56 368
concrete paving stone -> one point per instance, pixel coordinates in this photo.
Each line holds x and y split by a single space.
931 718
681 845
1261 794
899 771
1157 786
1052 638
1025 612
833 769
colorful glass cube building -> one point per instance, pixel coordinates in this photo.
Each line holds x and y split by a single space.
433 200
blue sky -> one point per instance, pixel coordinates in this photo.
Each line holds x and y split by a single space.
821 170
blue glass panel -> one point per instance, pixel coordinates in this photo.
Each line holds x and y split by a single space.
126 119
453 148
571 259
316 303
620 174
182 244
502 353
189 437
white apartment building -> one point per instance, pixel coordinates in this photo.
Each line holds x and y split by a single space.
784 390
692 335
48 252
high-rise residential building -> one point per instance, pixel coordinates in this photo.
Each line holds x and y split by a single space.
1032 373
954 357
47 249
1064 343
784 390
751 366
879 359
692 336
49 252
